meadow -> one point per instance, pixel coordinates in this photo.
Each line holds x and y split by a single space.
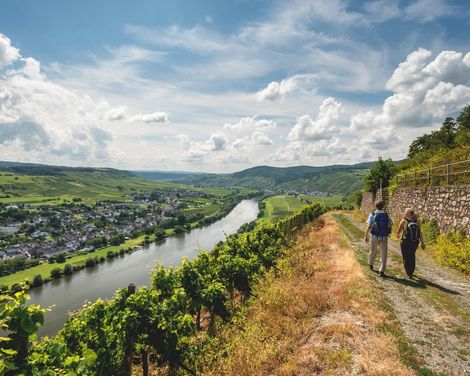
281 206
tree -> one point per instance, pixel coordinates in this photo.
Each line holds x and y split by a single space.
159 235
60 258
68 269
463 120
56 273
37 281
382 170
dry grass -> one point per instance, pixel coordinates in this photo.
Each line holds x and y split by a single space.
316 316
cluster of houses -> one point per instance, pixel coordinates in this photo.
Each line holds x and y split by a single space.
71 228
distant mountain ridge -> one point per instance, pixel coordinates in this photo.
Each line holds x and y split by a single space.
336 179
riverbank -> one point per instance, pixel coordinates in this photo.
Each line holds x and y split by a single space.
101 282
79 261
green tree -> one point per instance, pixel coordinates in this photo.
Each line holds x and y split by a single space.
60 258
68 269
37 281
463 120
383 171
56 273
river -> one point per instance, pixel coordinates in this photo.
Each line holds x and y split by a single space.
70 292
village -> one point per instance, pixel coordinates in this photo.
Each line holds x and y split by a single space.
33 232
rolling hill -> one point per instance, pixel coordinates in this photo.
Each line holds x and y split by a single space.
336 179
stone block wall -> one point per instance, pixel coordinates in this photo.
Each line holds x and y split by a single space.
450 206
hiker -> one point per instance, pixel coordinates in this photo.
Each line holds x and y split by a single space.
379 224
411 236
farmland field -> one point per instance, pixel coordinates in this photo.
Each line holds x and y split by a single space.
278 207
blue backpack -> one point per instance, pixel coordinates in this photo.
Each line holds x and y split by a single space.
380 225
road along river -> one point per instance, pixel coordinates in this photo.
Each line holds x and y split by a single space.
71 292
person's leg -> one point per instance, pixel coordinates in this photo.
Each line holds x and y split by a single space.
372 252
406 253
383 244
413 249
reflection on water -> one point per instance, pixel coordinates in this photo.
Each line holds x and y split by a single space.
89 284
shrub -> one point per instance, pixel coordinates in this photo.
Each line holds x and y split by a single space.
68 269
37 281
90 262
453 249
110 255
121 252
430 230
60 258
179 230
159 235
56 273
102 259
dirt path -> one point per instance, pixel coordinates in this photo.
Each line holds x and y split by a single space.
433 310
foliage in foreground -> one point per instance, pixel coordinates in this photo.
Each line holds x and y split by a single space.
161 322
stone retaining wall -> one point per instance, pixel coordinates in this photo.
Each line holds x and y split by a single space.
450 206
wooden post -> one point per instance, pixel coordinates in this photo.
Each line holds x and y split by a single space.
448 174
128 350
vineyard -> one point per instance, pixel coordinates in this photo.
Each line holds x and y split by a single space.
167 324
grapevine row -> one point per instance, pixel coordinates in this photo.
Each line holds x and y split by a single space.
168 322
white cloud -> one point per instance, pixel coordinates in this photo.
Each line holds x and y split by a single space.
427 10
276 90
154 117
249 124
8 53
322 127
425 91
116 113
45 119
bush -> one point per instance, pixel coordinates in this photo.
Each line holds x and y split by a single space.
37 281
159 235
110 255
121 252
179 230
453 249
102 259
89 262
430 230
68 269
60 258
56 273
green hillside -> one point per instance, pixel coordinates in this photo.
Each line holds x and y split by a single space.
53 185
337 179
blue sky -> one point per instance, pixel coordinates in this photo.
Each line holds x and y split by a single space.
225 85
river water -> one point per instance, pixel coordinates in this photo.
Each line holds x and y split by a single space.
71 292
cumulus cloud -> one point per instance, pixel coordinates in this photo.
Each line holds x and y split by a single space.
424 91
307 129
154 117
116 113
249 124
276 90
8 53
41 117
240 141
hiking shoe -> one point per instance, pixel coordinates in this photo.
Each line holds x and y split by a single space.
382 274
371 267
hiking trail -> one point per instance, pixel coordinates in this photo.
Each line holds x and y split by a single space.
433 309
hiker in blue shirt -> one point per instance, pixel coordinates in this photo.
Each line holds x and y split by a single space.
379 225
411 237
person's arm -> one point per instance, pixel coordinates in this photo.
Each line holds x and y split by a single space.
421 239
369 226
366 238
400 228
